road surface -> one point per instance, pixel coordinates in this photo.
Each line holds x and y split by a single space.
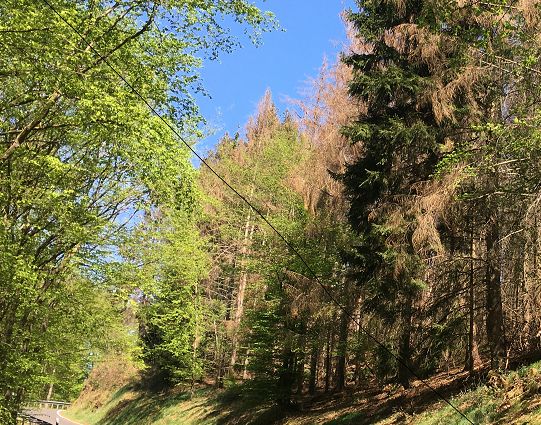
49 415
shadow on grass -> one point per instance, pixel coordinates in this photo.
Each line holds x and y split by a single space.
144 408
413 401
253 403
246 404
249 403
421 398
350 418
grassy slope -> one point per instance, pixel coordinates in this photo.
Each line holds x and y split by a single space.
511 399
514 398
128 406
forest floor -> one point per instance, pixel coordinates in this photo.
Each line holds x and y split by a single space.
513 398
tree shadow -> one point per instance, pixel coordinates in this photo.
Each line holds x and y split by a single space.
420 398
144 407
249 403
252 403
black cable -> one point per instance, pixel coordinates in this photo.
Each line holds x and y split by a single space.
258 212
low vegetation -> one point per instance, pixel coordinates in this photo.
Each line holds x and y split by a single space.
512 398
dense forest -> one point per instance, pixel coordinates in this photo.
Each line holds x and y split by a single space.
384 228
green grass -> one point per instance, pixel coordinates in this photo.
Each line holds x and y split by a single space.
129 406
140 408
514 398
511 398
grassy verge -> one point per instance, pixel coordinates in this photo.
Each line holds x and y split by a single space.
130 407
114 397
514 398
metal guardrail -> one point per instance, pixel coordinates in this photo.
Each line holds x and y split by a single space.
47 404
25 418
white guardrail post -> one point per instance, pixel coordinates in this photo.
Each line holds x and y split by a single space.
52 404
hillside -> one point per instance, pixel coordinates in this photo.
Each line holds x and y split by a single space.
513 398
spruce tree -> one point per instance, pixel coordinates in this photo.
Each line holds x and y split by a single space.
401 134
443 84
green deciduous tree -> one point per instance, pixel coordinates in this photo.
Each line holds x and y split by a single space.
80 153
169 262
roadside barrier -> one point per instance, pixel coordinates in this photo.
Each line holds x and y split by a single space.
47 404
26 418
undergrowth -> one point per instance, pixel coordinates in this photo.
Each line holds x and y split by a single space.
513 398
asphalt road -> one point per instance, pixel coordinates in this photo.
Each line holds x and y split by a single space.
50 416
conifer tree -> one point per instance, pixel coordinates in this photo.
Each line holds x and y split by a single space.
437 79
400 136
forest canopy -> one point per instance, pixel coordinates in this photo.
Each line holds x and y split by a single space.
407 182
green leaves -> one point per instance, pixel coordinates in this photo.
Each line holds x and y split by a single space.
166 261
82 158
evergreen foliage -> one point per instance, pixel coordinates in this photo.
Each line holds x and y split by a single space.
400 139
408 181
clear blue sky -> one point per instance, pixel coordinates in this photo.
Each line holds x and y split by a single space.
284 62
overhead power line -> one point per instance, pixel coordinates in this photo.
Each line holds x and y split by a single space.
293 249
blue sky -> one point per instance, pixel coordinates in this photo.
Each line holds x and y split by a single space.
284 62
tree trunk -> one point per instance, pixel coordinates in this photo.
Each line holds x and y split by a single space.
239 310
218 358
342 349
245 370
494 317
50 391
328 360
314 355
531 290
472 352
359 355
286 379
404 352
299 372
345 320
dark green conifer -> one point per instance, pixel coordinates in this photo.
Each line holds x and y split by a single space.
401 137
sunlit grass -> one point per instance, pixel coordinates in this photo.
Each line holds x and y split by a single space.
514 398
511 398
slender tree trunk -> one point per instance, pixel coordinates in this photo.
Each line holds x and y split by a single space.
51 386
239 310
229 289
245 370
218 358
314 355
345 320
530 290
328 360
358 360
494 317
404 352
300 366
50 391
195 347
472 352
342 352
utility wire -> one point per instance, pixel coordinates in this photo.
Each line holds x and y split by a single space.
259 213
